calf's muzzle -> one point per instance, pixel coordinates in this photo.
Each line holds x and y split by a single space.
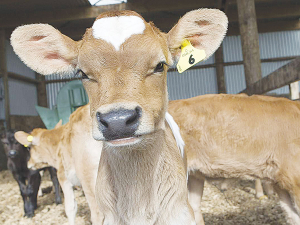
12 153
117 124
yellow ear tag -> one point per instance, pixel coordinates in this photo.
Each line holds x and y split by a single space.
189 56
30 138
25 146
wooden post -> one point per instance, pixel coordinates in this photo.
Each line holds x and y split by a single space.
294 90
219 59
4 75
41 90
220 70
249 39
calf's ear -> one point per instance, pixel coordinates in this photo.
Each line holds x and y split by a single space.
59 124
204 28
24 138
44 49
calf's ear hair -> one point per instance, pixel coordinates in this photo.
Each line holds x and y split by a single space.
59 124
21 137
44 49
204 28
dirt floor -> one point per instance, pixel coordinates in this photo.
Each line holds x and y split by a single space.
236 206
11 205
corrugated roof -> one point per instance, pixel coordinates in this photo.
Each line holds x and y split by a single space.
14 6
272 15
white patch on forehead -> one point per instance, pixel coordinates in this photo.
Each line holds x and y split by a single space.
116 30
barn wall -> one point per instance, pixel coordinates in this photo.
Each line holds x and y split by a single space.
188 84
22 95
15 65
26 123
272 45
192 82
53 89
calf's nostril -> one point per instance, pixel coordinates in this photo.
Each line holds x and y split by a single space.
104 123
134 117
101 120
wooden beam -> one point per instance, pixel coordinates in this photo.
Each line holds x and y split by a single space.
249 39
233 27
220 70
278 59
59 15
3 71
274 1
219 58
290 9
22 78
237 63
223 5
266 21
76 33
61 80
41 91
267 12
265 9
271 11
146 6
283 76
267 26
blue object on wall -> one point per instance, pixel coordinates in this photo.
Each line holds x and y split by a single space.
70 97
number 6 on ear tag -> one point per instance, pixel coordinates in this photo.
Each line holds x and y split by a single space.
189 56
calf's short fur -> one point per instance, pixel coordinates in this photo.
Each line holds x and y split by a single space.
236 136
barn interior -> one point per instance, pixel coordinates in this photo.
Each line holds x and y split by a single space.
274 24
260 54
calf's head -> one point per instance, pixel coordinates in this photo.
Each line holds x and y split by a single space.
38 151
123 62
12 148
41 144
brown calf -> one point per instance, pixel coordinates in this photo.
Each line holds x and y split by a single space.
71 149
123 61
236 136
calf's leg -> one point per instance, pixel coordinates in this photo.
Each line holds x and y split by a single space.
259 189
33 186
70 202
28 207
53 174
196 186
40 192
287 204
268 187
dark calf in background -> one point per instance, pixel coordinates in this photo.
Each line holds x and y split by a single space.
57 188
27 179
17 157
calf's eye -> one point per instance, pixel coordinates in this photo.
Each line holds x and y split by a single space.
159 67
82 74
